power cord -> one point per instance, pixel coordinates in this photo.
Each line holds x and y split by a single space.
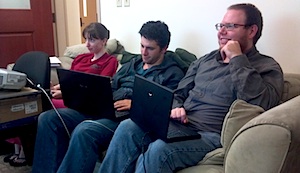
49 99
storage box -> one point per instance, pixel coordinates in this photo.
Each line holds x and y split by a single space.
19 107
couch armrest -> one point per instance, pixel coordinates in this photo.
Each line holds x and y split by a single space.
268 143
66 63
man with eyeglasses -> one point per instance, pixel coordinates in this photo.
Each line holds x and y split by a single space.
203 97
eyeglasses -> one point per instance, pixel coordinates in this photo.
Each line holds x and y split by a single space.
228 26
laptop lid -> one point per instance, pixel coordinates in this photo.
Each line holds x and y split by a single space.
150 107
150 110
87 93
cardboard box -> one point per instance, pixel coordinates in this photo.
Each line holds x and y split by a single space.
19 105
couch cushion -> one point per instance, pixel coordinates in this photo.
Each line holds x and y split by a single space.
239 114
185 55
291 86
127 56
75 50
203 169
215 157
112 47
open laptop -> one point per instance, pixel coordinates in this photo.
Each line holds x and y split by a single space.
150 110
87 93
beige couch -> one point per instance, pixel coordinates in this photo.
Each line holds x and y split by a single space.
258 141
254 140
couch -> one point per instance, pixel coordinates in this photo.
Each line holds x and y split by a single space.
258 141
253 140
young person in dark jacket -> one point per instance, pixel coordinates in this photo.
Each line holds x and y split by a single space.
56 152
203 97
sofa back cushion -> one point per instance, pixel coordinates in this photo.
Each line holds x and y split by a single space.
238 115
112 47
291 86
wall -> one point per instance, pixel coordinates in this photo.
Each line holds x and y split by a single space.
68 31
67 24
60 36
191 23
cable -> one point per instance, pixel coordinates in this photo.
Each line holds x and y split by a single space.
100 124
43 90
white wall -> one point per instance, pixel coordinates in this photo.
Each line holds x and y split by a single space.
67 28
191 23
72 22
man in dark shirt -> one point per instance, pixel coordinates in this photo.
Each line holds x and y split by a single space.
203 97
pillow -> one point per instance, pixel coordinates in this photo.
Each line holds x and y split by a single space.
75 50
127 56
291 87
240 112
185 55
112 46
181 63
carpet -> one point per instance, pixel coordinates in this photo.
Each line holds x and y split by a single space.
6 168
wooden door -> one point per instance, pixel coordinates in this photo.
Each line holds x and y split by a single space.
23 30
88 13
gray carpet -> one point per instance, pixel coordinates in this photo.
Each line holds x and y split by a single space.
6 168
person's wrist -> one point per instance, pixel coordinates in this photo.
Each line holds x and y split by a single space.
233 56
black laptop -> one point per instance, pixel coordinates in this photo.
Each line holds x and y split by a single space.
87 93
150 110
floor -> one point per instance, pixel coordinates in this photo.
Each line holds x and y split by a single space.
6 149
6 168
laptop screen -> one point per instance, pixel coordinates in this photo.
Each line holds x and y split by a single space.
87 93
151 106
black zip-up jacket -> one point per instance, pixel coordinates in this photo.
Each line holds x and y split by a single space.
168 74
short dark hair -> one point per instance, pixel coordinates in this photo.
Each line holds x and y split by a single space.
157 31
96 30
253 17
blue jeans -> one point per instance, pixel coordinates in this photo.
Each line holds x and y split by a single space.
131 150
52 140
89 139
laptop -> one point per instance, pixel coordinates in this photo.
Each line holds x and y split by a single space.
150 109
87 93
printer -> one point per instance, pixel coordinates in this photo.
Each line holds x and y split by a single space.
10 79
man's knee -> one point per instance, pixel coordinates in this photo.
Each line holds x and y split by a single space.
158 147
127 124
82 128
46 116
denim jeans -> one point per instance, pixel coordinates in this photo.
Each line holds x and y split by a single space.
131 150
52 140
89 138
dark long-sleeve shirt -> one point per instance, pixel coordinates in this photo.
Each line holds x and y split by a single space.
210 86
